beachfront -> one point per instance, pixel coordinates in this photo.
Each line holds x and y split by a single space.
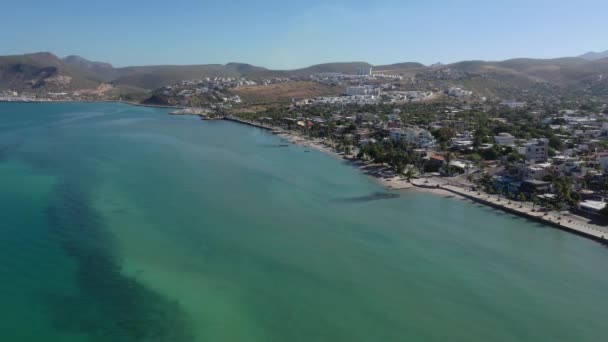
390 180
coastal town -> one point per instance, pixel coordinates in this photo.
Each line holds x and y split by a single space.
546 154
531 158
549 165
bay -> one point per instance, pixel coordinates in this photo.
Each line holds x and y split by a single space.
124 223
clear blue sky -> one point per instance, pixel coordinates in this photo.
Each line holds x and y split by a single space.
289 34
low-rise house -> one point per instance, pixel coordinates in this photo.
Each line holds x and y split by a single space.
434 163
362 134
458 92
365 117
396 134
462 144
533 186
365 142
537 171
592 207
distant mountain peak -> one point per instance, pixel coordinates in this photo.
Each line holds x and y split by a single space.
593 56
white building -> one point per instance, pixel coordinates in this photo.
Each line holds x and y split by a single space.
593 207
365 71
414 136
537 150
536 171
513 104
362 90
505 139
458 92
602 158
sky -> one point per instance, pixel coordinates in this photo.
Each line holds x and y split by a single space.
290 34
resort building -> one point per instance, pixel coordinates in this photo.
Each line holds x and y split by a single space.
414 136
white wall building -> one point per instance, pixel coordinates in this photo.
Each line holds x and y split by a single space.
537 150
602 158
505 139
458 92
362 90
513 104
414 136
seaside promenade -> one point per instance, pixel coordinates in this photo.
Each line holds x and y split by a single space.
565 221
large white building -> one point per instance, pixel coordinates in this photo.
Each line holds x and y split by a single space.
362 90
537 150
505 139
365 71
458 92
413 136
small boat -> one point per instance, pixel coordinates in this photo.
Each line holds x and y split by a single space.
283 145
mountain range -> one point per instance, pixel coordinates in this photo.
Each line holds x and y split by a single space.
46 71
593 56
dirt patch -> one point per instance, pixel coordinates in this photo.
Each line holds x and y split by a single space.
284 92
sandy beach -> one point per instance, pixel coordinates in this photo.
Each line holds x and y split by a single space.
381 174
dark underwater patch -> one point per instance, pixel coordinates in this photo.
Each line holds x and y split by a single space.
368 198
7 149
111 307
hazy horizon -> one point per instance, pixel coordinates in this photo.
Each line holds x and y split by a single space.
277 35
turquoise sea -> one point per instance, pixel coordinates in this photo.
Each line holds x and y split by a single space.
121 223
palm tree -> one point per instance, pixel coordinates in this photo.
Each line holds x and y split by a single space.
522 199
409 174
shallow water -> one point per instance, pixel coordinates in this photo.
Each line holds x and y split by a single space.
126 224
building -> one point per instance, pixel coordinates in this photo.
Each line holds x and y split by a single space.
434 163
536 171
602 158
537 150
592 207
365 117
533 186
392 117
396 134
362 90
458 92
362 134
365 71
505 139
414 136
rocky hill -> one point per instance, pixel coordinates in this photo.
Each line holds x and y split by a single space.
48 72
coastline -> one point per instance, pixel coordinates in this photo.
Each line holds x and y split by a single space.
131 103
379 173
387 178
